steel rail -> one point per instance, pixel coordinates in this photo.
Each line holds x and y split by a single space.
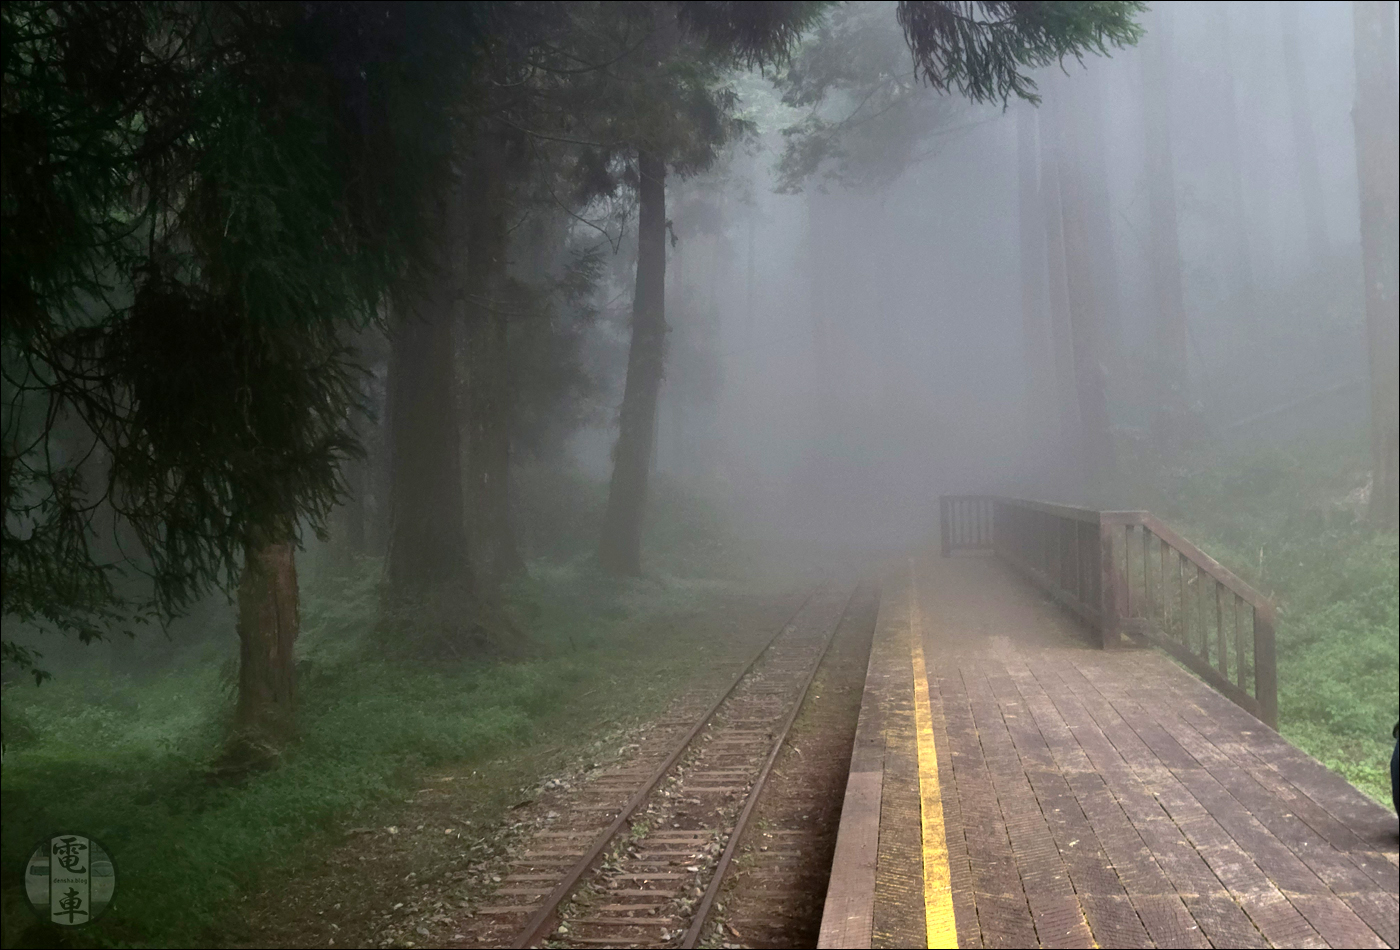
692 936
542 922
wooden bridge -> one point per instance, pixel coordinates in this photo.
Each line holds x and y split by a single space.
1037 765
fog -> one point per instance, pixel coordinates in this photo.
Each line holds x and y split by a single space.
839 356
875 292
416 415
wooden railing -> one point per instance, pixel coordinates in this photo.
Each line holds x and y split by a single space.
1125 572
965 522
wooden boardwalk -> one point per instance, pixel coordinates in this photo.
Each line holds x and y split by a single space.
1084 798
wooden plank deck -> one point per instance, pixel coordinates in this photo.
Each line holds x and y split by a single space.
1090 798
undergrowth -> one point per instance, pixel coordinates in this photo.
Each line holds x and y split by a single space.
1291 521
125 757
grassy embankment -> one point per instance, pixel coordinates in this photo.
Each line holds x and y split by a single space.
1290 521
124 757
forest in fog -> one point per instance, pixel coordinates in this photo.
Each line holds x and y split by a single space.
373 373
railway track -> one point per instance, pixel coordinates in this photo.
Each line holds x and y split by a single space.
640 860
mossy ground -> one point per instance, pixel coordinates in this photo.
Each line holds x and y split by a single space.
125 756
1290 520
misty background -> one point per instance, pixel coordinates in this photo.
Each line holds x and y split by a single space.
841 355
1147 290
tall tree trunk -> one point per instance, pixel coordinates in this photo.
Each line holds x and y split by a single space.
1088 271
621 547
268 623
1304 140
427 542
489 453
1377 155
379 481
488 386
351 531
353 512
670 445
1042 420
1243 284
824 232
1067 454
749 279
712 364
1165 249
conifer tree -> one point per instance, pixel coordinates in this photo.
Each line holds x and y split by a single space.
200 200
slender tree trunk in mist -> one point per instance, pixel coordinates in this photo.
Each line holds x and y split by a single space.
823 229
749 282
353 513
1041 417
1061 331
1165 248
1089 262
621 547
1242 293
1304 140
712 376
352 530
888 381
488 382
268 623
1090 154
379 480
1377 123
427 542
675 382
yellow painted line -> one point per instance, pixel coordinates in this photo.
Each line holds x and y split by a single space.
939 923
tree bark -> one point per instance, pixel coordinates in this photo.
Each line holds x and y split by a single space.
1070 439
488 380
350 532
1237 225
1164 246
1088 274
427 542
1377 156
268 623
353 513
1304 139
825 230
621 547
379 480
1042 420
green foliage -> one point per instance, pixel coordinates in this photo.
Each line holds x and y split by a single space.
694 110
980 47
200 200
867 119
610 79
124 757
687 534
1290 521
553 392
749 33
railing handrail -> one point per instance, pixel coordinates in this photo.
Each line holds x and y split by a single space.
1148 520
1087 564
1050 508
1204 561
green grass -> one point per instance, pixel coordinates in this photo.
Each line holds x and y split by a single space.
1290 521
124 757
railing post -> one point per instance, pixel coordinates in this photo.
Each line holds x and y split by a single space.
943 525
1265 668
1111 592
